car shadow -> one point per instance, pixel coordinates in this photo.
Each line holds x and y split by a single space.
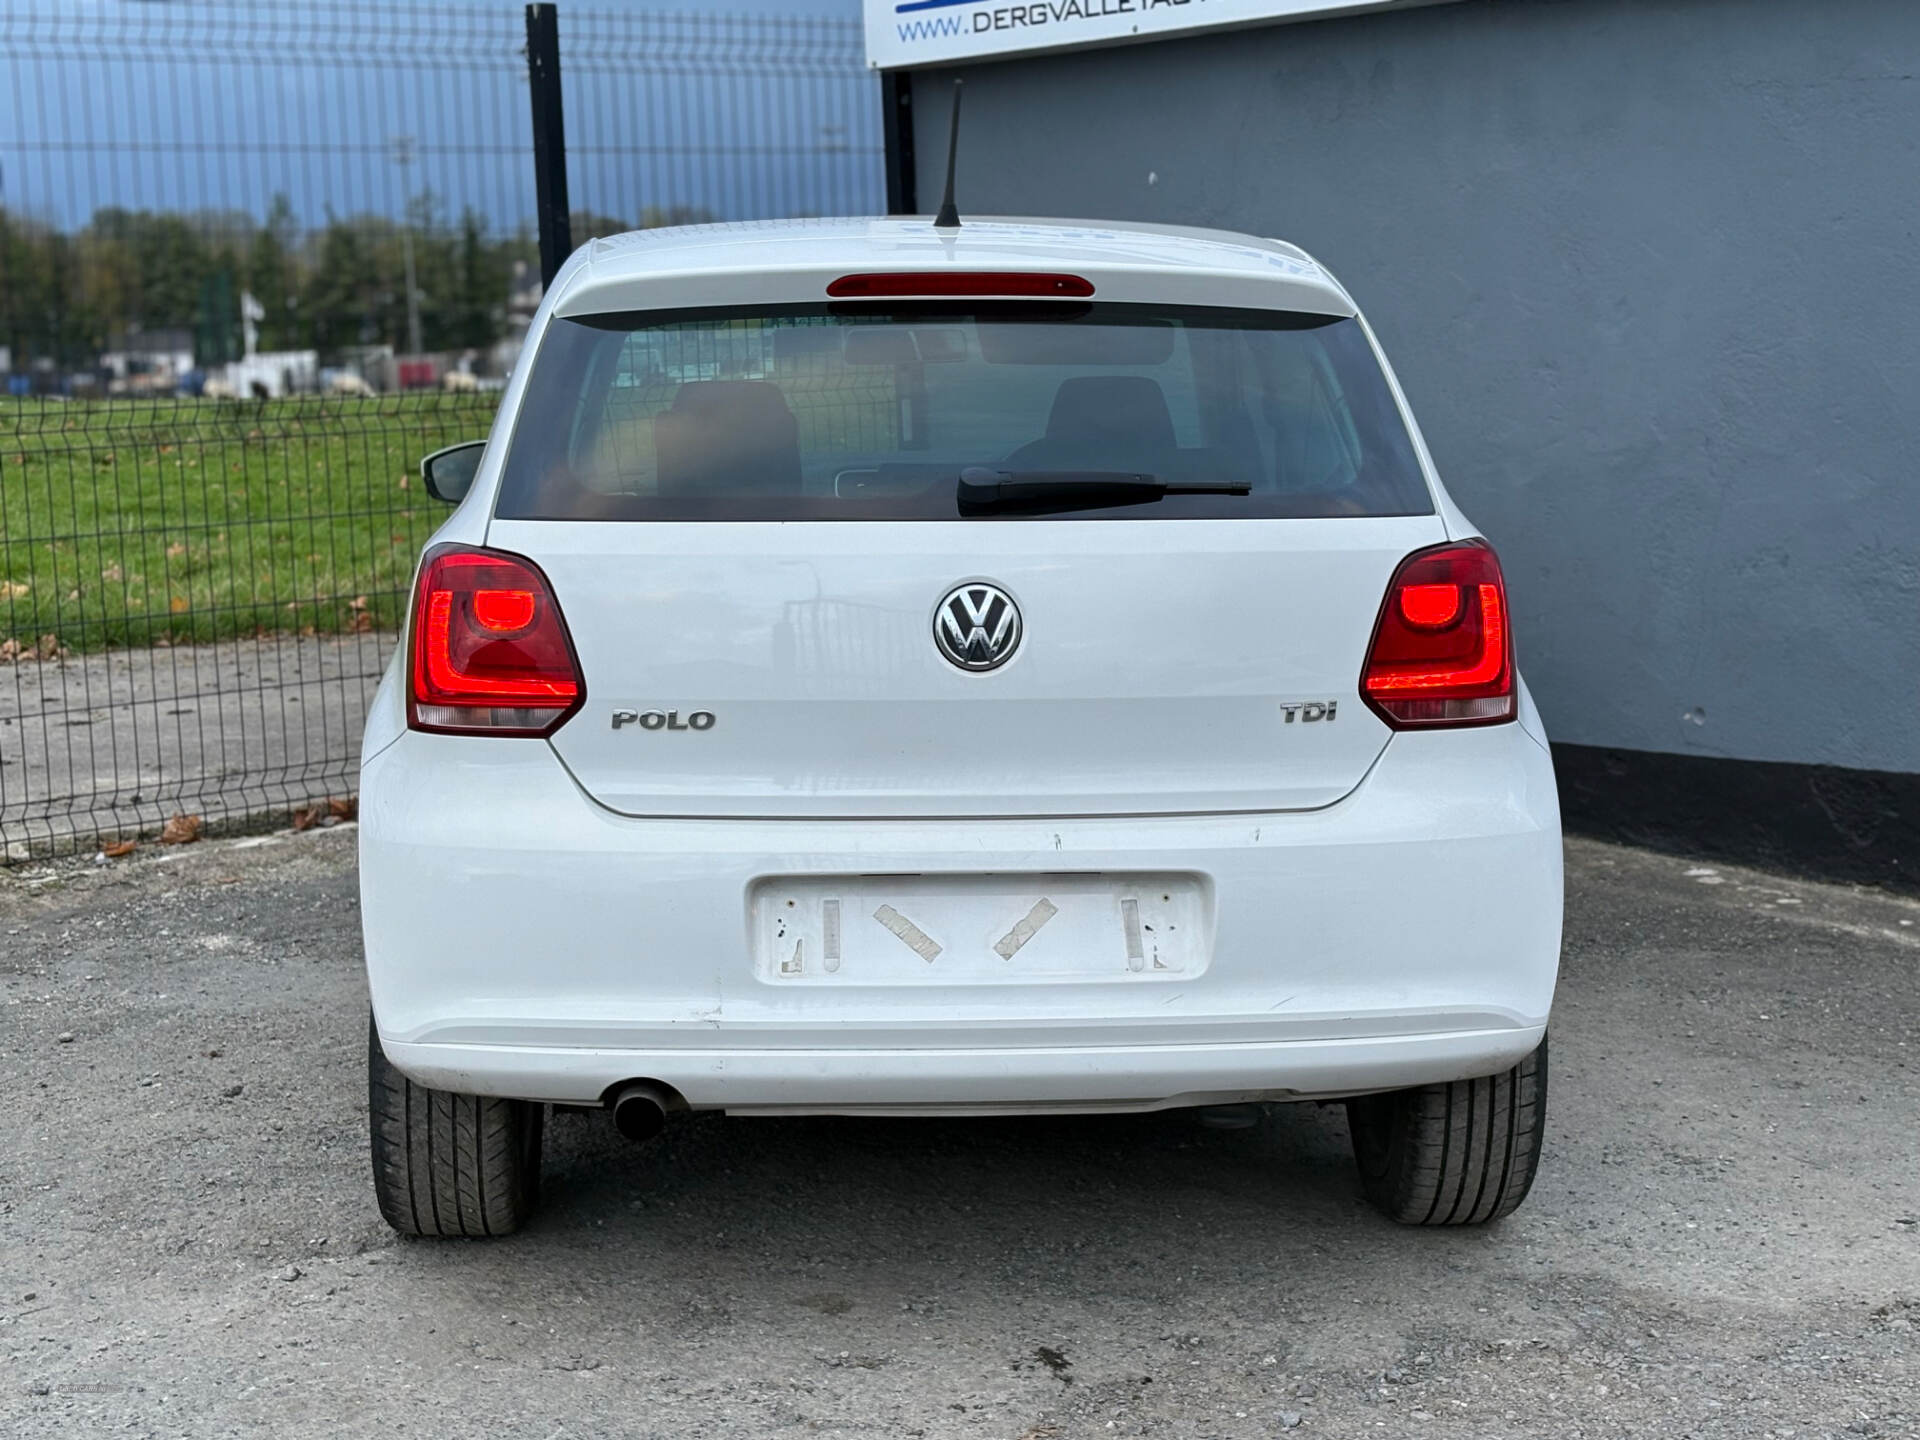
848 1209
869 1166
885 1275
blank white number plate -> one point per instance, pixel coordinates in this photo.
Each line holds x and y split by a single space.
979 929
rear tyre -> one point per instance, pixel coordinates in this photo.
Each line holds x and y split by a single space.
1462 1153
447 1164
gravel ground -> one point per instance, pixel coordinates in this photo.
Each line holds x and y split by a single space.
1724 1241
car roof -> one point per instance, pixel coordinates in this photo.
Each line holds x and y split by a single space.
791 261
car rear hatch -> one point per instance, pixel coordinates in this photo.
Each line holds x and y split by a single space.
754 525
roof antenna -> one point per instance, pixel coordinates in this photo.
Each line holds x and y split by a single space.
949 217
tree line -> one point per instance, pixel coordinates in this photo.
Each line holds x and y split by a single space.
67 296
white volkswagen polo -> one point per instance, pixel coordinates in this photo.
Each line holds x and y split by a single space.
880 669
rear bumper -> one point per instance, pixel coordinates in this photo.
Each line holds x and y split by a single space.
1054 1079
523 941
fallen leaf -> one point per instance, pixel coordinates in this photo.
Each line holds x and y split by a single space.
176 550
14 589
343 807
112 572
177 605
50 647
181 830
306 819
9 651
117 849
359 602
403 482
361 624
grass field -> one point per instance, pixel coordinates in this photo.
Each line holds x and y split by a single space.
133 522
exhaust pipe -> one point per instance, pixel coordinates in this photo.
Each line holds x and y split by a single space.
640 1109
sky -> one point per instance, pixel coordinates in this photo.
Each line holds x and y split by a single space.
740 109
846 9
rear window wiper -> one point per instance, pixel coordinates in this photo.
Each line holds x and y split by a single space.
984 489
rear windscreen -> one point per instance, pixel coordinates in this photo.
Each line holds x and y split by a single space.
845 412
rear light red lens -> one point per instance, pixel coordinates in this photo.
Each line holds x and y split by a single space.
503 611
490 650
958 282
1442 650
1430 607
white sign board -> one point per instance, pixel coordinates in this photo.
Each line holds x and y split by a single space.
934 32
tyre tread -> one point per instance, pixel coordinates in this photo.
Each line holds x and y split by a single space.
446 1164
1460 1153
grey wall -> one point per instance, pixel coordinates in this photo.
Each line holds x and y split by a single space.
1650 273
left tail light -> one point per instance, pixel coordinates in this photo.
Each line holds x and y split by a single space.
489 649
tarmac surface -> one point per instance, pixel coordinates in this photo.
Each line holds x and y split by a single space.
237 731
1724 1240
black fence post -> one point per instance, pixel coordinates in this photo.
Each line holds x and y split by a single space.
549 139
896 124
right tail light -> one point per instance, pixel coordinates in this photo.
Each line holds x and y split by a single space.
1442 651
